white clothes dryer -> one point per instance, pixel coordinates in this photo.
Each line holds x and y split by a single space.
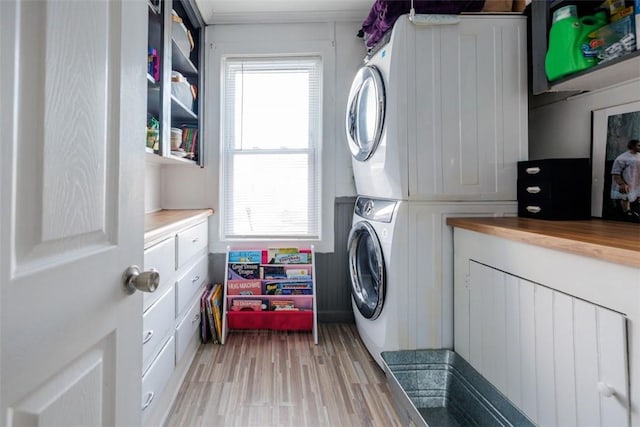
440 112
401 266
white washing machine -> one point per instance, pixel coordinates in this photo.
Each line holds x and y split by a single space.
440 112
401 267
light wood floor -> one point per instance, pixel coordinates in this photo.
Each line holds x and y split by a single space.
263 378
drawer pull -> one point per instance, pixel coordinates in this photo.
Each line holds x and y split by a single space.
195 319
195 239
150 397
605 390
195 279
533 190
533 171
147 337
533 209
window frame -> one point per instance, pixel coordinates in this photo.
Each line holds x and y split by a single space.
325 49
230 151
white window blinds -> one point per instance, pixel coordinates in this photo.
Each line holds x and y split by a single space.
270 148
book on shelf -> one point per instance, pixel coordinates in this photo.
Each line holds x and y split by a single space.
244 287
245 256
283 305
242 271
288 256
239 304
288 288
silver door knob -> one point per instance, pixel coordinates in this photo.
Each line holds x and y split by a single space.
146 281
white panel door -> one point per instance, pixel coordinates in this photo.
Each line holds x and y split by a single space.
72 117
571 354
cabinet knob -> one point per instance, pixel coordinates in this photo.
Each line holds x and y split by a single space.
146 281
605 389
150 397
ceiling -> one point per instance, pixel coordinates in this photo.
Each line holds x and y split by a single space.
257 11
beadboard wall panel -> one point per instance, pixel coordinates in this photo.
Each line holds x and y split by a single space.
332 275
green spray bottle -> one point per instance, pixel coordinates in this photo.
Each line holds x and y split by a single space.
569 50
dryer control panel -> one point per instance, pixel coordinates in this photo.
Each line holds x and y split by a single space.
380 210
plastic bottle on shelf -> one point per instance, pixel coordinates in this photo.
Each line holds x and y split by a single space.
569 50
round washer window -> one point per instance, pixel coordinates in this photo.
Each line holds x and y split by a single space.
366 267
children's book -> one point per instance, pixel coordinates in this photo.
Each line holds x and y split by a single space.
205 333
241 271
212 327
216 303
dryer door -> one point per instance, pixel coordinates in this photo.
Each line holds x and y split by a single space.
365 112
366 267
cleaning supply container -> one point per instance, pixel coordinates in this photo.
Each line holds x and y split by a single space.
569 50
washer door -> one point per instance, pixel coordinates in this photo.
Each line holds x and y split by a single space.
366 267
365 112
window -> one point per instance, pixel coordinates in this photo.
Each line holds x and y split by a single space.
271 136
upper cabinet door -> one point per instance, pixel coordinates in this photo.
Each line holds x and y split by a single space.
71 189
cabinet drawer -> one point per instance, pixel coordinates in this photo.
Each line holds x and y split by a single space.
187 328
157 321
190 242
555 169
189 284
161 257
157 377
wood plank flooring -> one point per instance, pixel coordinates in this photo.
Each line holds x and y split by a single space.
269 378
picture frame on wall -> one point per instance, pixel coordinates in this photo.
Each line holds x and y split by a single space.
615 163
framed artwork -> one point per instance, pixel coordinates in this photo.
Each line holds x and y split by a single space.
615 163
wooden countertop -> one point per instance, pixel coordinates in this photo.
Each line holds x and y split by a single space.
159 224
613 241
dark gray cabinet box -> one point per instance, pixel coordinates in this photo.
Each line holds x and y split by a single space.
558 189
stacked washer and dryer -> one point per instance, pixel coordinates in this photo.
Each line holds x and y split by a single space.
436 123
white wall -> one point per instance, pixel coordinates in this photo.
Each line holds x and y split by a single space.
152 187
563 129
191 188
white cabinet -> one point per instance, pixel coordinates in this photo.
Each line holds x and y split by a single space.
554 355
157 323
178 249
553 331
160 257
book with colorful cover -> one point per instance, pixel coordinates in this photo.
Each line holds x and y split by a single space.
288 288
299 258
216 303
244 287
212 328
242 271
245 256
271 272
205 333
